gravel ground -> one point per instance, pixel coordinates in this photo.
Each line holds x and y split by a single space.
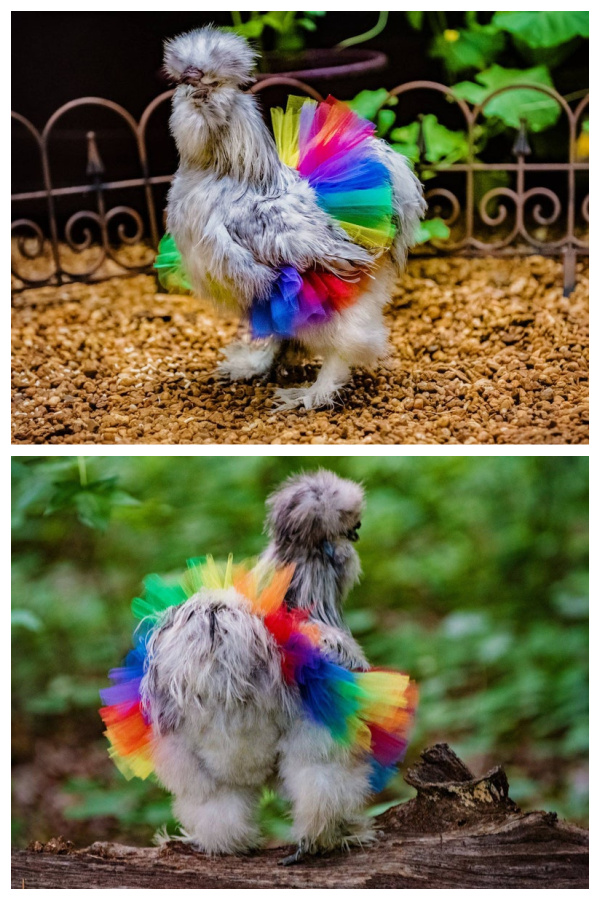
482 352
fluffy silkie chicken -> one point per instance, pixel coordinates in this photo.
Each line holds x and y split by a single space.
303 235
242 678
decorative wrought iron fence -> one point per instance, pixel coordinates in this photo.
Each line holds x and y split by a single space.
542 219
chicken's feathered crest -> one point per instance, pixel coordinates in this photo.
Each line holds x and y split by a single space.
313 507
218 54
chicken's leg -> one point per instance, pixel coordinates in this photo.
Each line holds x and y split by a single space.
247 358
334 374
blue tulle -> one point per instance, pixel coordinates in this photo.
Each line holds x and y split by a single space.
361 172
278 313
380 775
320 683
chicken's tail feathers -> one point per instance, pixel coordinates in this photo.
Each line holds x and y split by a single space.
332 148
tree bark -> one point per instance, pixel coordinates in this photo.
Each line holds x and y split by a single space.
458 832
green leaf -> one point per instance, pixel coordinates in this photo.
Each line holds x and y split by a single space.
442 145
471 49
25 619
251 29
360 620
432 228
540 110
93 511
368 103
415 19
544 29
102 803
385 120
411 151
277 20
92 503
308 24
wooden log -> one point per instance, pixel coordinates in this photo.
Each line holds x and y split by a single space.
458 832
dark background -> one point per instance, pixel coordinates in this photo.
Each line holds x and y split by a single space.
119 55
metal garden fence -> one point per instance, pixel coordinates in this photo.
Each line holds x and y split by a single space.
519 218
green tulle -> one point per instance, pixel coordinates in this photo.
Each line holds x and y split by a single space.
169 266
158 597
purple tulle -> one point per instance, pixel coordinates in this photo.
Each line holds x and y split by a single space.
292 304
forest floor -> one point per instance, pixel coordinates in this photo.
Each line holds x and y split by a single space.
482 351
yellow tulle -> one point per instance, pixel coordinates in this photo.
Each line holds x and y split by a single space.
286 129
370 238
135 766
262 586
387 699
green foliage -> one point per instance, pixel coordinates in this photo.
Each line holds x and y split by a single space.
538 109
131 802
512 48
369 104
24 618
442 146
287 27
468 48
475 581
432 229
544 39
92 502
415 19
543 29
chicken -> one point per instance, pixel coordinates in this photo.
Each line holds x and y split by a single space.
245 678
265 239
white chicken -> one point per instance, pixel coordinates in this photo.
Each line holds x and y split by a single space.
263 236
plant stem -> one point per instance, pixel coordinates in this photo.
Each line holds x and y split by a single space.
373 32
236 18
82 471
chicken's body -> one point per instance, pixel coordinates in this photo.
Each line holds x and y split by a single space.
239 214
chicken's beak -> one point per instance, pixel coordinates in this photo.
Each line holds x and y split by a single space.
191 75
353 535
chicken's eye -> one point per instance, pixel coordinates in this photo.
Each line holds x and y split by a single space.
211 82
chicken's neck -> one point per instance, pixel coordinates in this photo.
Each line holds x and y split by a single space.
237 145
323 576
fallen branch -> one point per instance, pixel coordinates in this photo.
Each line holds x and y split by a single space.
458 832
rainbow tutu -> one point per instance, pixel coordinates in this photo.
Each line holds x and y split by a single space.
370 712
331 147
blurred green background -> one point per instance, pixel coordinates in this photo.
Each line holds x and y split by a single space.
474 581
